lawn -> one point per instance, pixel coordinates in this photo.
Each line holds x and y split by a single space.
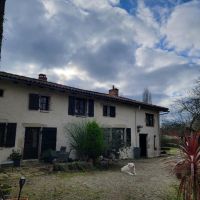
153 182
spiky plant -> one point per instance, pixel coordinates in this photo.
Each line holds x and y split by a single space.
188 169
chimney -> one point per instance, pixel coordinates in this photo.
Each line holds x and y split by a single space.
42 77
114 92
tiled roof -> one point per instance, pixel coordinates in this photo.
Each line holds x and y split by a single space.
73 90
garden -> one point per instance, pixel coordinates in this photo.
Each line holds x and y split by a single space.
96 173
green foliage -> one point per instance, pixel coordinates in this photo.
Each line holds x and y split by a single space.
86 139
15 155
187 169
73 166
169 141
49 155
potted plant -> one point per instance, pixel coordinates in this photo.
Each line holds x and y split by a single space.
16 157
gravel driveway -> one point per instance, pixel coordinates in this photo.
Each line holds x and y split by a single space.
152 182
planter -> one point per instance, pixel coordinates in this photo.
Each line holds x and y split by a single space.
16 163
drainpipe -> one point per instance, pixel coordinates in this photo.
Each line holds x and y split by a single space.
40 143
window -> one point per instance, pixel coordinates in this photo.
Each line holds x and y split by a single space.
109 111
7 134
1 92
116 138
44 103
81 106
149 119
37 102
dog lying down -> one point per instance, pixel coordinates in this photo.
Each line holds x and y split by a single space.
129 169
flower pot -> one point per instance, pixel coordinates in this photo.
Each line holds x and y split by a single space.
16 163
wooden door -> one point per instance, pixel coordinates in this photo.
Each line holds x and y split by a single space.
31 143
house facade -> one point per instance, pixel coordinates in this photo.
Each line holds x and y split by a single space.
34 115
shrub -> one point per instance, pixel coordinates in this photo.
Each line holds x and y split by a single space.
73 166
187 169
87 139
169 141
15 155
48 156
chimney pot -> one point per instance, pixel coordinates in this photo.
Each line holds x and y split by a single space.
114 92
42 77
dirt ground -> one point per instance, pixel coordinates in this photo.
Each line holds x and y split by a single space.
152 182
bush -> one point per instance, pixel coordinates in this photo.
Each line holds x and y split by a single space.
73 166
169 141
48 156
87 139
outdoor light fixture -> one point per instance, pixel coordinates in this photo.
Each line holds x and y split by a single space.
22 181
138 128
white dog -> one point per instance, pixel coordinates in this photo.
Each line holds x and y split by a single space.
129 169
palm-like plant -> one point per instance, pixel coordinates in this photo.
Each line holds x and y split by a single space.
188 169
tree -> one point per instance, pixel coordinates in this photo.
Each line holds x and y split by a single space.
86 138
189 108
2 12
147 96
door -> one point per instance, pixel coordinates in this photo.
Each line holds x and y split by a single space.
143 145
49 136
31 143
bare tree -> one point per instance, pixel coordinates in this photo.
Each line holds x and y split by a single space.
2 12
147 96
189 108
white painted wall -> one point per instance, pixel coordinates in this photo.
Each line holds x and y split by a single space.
14 108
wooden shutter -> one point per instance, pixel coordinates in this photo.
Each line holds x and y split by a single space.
105 108
49 136
90 108
128 137
33 101
112 111
11 135
71 105
2 133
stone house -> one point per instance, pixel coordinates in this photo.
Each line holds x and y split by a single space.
34 114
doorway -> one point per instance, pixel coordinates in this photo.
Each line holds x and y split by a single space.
37 140
143 145
31 143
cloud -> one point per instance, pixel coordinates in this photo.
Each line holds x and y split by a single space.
95 44
183 27
153 59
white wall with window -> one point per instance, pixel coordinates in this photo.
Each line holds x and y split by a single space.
50 108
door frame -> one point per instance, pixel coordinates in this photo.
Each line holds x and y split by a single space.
146 148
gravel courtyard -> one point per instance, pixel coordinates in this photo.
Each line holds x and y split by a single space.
153 182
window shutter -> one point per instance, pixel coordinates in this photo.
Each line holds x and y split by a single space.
128 137
11 135
71 105
33 101
105 108
91 108
2 133
112 111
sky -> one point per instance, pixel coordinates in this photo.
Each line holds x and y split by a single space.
94 44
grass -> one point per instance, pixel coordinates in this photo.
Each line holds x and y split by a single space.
111 184
173 151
